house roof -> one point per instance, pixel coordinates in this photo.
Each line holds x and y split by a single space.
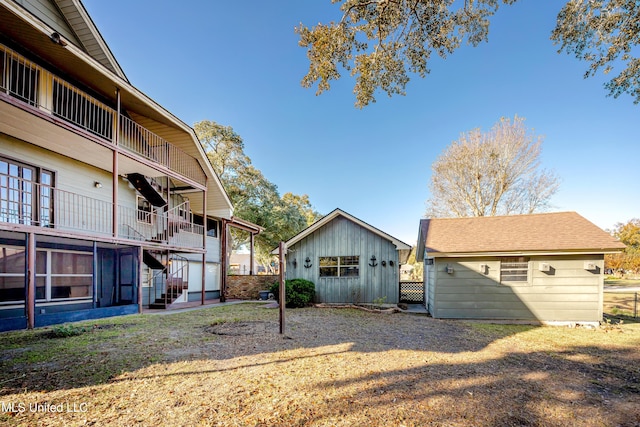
86 56
400 245
548 232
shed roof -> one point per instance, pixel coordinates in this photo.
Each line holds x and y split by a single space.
559 231
400 245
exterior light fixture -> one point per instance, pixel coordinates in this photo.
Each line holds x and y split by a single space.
97 184
57 39
295 263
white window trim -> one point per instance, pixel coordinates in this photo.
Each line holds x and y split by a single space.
338 266
517 282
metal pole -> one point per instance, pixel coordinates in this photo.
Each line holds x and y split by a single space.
635 306
282 287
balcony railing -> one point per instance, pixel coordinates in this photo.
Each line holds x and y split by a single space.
35 86
24 202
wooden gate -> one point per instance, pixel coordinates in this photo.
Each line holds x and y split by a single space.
412 292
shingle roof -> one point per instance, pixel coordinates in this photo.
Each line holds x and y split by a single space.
560 231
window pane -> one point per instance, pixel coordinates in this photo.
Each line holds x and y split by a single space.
12 289
12 260
71 287
514 269
350 260
41 262
328 261
328 271
349 271
40 288
71 263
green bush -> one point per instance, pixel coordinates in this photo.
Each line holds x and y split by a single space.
299 292
68 330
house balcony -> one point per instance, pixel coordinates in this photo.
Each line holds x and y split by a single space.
25 204
43 93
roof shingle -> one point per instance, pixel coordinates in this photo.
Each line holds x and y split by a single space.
560 231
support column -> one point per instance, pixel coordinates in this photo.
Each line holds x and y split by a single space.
114 182
223 260
204 246
94 279
31 280
251 253
139 280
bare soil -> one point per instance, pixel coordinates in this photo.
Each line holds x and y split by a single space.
229 366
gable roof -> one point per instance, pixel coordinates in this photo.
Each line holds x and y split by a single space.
560 231
72 22
87 33
400 245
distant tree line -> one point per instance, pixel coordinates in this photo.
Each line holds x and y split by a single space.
628 261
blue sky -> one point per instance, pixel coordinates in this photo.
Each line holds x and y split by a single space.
239 64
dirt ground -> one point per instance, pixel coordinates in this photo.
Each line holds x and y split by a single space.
229 366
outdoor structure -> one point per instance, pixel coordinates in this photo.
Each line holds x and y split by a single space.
539 267
347 259
108 202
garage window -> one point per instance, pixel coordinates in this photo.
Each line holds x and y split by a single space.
340 266
514 270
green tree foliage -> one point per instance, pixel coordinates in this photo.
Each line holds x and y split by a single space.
606 34
493 173
254 197
380 42
629 260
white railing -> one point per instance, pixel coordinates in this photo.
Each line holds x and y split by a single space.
24 202
36 86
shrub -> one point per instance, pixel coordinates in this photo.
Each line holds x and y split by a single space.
64 331
299 292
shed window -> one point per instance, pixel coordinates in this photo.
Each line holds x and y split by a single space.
514 269
340 266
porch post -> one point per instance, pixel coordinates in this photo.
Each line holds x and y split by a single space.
94 279
204 245
139 281
251 255
223 260
114 182
31 280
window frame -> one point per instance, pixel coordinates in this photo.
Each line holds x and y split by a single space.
44 279
144 210
339 266
515 271
41 206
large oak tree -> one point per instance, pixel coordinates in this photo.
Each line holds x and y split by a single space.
253 196
382 42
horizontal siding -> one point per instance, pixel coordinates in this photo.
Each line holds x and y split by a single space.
567 293
48 13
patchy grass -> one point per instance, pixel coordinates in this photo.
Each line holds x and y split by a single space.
228 366
621 303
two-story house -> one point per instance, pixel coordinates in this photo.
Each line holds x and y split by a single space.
107 201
